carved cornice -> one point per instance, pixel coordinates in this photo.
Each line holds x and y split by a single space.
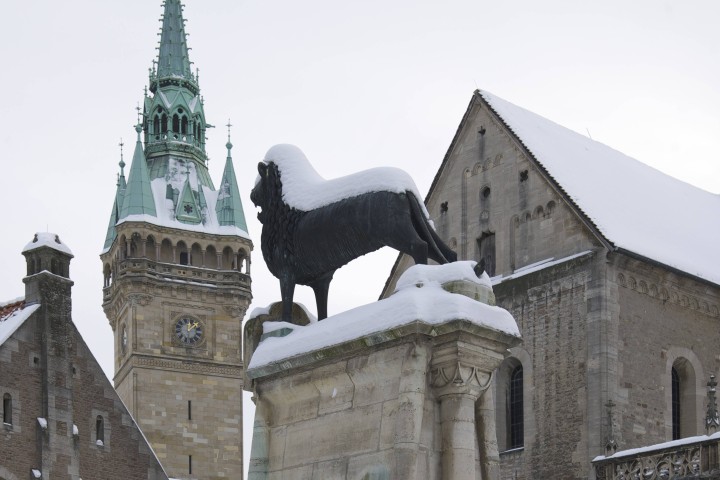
177 365
139 299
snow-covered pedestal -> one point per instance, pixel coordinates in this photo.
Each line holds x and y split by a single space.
395 389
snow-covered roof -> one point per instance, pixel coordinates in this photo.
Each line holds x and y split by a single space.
13 315
47 239
165 209
419 298
304 188
634 206
660 446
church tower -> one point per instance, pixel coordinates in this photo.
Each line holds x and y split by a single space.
176 264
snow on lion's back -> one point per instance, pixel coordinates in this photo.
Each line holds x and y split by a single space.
304 188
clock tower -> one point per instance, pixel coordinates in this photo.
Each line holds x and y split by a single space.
176 264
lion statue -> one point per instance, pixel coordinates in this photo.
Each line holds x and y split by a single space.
312 226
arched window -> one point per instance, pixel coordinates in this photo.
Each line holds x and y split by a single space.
176 123
100 430
183 254
184 125
163 123
509 397
515 408
675 403
156 125
7 409
684 403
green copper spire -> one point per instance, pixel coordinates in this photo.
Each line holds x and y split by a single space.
188 210
117 203
173 60
138 199
229 206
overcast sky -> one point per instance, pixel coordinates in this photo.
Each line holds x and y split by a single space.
354 84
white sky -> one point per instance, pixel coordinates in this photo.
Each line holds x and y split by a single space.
354 84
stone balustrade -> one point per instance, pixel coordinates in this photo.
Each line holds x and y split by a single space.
687 458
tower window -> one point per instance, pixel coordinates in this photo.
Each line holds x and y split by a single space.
7 409
190 464
675 403
184 258
486 252
516 421
176 123
189 410
99 431
184 125
163 123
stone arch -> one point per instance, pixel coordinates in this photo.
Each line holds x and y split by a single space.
166 251
183 255
135 247
211 257
107 275
228 259
151 248
539 212
196 255
691 391
550 207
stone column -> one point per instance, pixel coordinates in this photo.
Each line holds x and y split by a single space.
458 386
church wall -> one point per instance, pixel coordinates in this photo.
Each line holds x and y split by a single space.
665 320
552 308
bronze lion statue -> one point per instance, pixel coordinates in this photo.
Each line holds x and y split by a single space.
312 227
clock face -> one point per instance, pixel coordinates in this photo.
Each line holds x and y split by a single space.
188 331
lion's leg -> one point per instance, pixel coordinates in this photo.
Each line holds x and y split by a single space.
321 288
287 291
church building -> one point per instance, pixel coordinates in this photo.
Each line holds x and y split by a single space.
176 264
612 271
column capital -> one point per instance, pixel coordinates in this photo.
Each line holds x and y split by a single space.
459 378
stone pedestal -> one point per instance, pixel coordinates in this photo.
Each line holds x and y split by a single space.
404 402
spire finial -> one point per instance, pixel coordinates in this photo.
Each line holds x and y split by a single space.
137 107
229 144
122 161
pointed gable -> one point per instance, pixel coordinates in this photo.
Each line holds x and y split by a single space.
229 207
188 210
638 209
138 199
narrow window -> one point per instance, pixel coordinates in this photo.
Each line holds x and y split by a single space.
7 409
99 431
189 410
183 258
156 125
516 423
176 123
675 403
190 464
164 122
184 125
486 253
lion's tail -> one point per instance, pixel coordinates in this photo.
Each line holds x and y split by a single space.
437 250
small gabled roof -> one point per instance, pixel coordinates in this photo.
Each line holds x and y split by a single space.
636 208
138 198
229 207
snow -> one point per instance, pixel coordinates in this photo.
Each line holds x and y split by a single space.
537 266
99 443
43 422
426 302
36 473
47 239
304 188
10 323
429 274
636 207
660 446
76 432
